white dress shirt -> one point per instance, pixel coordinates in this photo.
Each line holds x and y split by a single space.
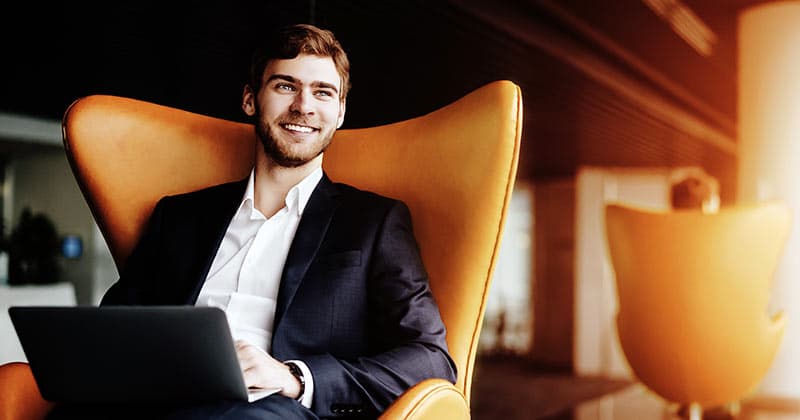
246 272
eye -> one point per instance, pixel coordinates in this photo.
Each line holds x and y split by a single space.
285 87
324 93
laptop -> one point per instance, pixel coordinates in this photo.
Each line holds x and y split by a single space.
131 354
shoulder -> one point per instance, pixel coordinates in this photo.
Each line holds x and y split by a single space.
221 193
366 208
352 196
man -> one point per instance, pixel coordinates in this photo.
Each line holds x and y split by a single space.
322 283
694 189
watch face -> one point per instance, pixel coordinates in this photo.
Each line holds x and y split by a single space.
295 370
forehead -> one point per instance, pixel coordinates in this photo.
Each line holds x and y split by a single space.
305 68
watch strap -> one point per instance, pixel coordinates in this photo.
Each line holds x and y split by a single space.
297 373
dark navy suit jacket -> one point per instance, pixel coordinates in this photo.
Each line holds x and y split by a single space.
354 302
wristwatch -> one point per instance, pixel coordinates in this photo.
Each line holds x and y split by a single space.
297 373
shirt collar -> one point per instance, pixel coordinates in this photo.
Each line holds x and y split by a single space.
296 199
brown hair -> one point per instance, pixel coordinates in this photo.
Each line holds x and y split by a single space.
290 41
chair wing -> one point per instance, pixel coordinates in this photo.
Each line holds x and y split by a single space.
693 292
455 168
127 154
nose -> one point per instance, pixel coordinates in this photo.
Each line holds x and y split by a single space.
302 102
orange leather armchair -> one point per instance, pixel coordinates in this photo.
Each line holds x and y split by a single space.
454 168
693 291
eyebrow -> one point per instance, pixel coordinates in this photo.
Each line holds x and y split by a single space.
290 79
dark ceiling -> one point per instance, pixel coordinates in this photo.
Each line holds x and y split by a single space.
408 57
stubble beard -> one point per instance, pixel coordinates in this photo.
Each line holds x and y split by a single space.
281 155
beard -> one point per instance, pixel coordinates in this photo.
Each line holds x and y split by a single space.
281 153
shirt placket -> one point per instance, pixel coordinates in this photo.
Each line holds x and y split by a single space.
259 263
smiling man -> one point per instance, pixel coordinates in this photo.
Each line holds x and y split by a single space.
297 108
322 283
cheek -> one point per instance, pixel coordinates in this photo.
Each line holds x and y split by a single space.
271 106
268 113
332 114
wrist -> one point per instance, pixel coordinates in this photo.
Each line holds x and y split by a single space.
298 383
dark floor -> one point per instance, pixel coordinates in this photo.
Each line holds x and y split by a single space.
508 388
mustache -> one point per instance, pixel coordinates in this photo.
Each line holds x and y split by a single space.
288 118
298 120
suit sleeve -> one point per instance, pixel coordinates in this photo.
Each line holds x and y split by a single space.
408 328
135 284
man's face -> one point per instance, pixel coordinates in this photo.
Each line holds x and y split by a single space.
297 109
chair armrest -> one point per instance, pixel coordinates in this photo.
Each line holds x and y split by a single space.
429 399
20 398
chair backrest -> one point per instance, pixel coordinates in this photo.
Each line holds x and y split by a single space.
455 169
693 293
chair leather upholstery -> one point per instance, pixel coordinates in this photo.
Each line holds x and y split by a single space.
19 394
693 292
454 168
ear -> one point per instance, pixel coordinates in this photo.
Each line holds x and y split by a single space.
340 119
248 101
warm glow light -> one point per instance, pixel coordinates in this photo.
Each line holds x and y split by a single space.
769 156
686 24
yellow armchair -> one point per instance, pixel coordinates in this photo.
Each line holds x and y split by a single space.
454 168
693 291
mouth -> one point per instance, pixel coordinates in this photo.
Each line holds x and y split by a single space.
298 128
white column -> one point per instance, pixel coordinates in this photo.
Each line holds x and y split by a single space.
769 156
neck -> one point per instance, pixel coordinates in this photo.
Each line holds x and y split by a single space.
273 182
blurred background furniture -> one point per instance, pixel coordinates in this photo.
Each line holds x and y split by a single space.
56 294
455 169
638 402
693 294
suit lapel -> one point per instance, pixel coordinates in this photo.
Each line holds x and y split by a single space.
307 240
215 218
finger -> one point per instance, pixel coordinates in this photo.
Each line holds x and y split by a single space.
253 377
246 358
250 351
249 377
244 361
245 347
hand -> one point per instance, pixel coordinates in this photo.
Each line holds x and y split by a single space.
261 370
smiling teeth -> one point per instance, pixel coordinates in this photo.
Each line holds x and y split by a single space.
299 128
